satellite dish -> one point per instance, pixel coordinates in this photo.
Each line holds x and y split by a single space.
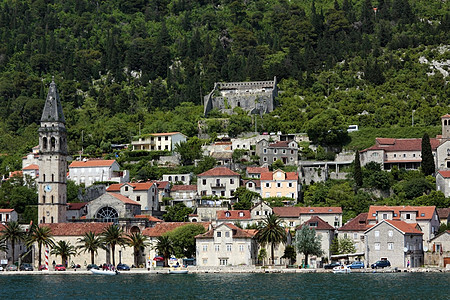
405 249
425 248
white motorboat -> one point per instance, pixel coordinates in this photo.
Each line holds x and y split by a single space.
342 269
104 272
178 271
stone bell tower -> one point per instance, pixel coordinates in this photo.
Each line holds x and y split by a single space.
52 182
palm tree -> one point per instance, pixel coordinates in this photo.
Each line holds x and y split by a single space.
65 250
138 241
91 243
164 247
42 236
112 236
271 232
12 233
3 246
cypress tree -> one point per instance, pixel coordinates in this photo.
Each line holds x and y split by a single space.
357 174
428 166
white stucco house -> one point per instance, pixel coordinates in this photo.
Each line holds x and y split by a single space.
89 171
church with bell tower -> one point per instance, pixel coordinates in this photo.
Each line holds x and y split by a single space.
52 182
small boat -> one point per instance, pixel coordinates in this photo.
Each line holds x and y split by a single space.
342 269
178 271
104 272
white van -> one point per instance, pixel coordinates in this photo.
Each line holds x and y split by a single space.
352 128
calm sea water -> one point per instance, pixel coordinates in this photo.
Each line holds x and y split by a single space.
228 286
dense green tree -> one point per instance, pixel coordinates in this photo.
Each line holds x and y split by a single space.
13 233
177 213
183 239
428 166
91 243
308 243
271 232
289 253
164 247
357 173
245 198
138 242
65 250
189 150
342 246
113 235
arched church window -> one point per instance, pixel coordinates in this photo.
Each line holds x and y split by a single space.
53 199
44 143
445 122
52 142
135 229
107 214
53 177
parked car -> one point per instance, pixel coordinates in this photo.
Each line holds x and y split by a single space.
356 265
11 268
26 267
1 268
331 265
381 264
42 267
123 267
60 268
92 266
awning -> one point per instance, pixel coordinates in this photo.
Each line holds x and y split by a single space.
347 255
158 258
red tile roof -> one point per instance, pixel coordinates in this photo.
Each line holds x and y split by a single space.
15 174
443 213
390 144
75 229
427 211
31 167
6 210
136 186
162 228
92 163
289 175
445 174
257 170
76 206
233 215
321 224
359 223
280 144
296 211
404 227
179 187
257 182
123 199
219 171
150 218
115 187
163 184
237 232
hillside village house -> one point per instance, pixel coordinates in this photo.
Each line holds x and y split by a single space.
31 170
326 233
354 229
144 193
226 245
443 182
255 172
438 252
293 216
396 241
8 215
253 185
280 184
163 190
158 141
260 211
285 151
186 194
444 215
76 210
177 178
31 158
90 171
425 216
243 217
219 181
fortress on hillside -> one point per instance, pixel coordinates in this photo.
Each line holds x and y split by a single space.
255 97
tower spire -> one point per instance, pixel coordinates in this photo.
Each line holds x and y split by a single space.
52 109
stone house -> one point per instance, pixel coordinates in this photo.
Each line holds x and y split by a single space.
186 194
255 172
219 181
425 216
280 184
90 171
293 216
285 151
144 193
396 241
8 215
444 215
326 232
76 210
158 141
354 229
175 178
438 252
242 217
253 185
260 211
163 189
31 170
109 207
443 182
226 245
31 158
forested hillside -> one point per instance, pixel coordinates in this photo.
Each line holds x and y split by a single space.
124 66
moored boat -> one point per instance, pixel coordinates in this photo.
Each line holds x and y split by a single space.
342 269
104 272
178 271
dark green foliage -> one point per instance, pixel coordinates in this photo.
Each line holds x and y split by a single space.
289 253
245 198
177 213
357 173
183 239
428 166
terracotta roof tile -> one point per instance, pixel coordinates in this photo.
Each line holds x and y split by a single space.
6 210
76 206
163 184
404 227
359 223
390 144
257 170
115 187
289 175
233 215
257 182
445 174
149 217
443 213
321 224
219 171
280 144
161 228
124 199
191 187
75 229
423 212
31 167
92 163
295 211
237 232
